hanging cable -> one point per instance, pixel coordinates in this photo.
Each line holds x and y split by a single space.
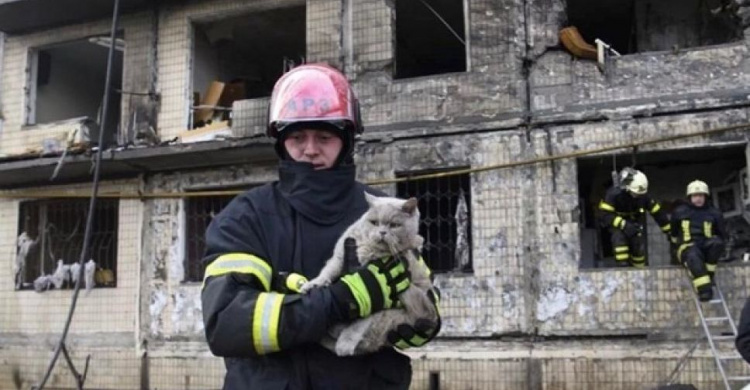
92 203
455 34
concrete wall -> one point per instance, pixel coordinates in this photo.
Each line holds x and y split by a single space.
104 326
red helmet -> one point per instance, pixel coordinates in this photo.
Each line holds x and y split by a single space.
313 93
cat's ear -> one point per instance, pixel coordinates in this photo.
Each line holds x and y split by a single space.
370 199
409 206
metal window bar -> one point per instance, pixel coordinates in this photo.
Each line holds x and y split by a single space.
199 211
438 202
58 228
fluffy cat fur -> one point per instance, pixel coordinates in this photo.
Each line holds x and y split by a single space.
389 227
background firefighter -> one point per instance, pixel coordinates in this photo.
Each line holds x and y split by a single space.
698 230
623 212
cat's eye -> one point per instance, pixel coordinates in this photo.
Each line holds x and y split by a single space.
374 222
395 225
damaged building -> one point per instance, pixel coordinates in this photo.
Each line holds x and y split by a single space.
530 295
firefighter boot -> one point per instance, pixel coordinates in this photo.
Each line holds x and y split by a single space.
705 293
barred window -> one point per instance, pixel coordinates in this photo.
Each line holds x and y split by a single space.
199 211
444 207
53 230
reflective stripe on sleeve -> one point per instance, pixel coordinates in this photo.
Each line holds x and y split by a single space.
242 263
265 328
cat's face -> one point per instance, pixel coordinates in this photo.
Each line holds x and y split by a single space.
391 223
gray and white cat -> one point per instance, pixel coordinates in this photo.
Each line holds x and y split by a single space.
389 227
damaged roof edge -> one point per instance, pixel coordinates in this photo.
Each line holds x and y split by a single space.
132 162
23 16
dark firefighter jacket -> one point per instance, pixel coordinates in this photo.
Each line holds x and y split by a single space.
690 223
743 332
270 340
619 205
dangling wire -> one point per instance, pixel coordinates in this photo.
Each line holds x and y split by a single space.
92 203
455 34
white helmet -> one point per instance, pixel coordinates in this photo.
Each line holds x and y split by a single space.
634 181
697 187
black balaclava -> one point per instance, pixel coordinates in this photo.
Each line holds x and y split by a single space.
320 195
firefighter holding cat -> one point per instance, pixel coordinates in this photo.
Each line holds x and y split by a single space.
623 212
265 243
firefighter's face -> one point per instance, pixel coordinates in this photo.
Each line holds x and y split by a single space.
698 200
320 148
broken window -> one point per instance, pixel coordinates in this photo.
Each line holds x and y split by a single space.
51 231
633 26
199 211
67 82
430 37
242 57
445 211
669 173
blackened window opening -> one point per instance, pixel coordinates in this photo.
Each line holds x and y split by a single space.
199 212
669 173
57 226
636 26
248 53
424 44
447 234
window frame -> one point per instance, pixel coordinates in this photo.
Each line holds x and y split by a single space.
41 207
438 266
466 10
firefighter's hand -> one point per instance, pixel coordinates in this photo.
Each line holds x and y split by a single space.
407 336
631 228
372 288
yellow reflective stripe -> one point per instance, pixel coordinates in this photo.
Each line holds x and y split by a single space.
621 249
294 282
666 228
711 267
606 206
701 281
682 249
686 230
622 256
655 209
617 221
359 291
639 259
707 228
242 263
266 322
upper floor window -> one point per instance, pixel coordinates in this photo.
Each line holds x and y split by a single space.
635 26
242 57
430 37
66 81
